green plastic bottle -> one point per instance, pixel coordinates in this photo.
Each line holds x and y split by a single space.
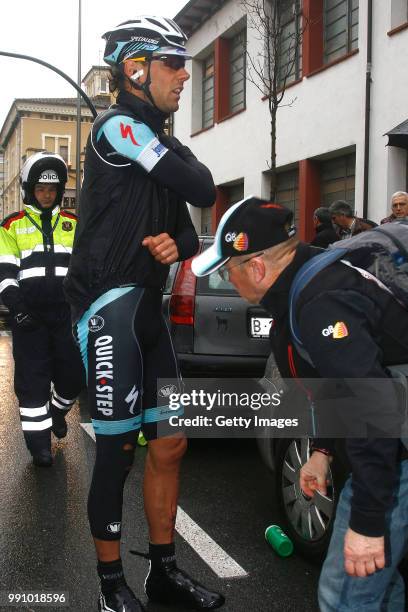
278 540
141 439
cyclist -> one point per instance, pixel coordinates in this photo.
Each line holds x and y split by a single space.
35 248
133 224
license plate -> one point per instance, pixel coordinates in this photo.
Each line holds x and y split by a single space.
260 327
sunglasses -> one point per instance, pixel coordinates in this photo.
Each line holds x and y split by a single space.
224 273
170 61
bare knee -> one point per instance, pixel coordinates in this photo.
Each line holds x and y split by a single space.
166 453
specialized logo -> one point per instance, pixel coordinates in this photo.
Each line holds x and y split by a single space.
95 323
167 390
104 374
132 399
230 237
67 226
113 527
241 242
337 331
125 131
144 39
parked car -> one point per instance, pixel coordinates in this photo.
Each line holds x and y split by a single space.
214 330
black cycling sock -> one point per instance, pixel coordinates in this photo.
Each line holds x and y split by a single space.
111 575
162 554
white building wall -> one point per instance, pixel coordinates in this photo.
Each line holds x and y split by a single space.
325 115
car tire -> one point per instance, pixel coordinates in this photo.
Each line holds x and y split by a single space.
307 521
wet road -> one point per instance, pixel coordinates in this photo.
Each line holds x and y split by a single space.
226 491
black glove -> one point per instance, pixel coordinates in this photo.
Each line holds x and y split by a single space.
171 142
25 320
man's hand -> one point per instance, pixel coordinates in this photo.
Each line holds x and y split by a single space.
363 555
162 247
313 475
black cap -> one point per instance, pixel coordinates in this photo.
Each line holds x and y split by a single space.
249 226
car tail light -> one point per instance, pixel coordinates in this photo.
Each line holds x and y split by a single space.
183 296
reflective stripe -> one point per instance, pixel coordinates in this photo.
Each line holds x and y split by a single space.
113 428
39 248
59 405
33 272
8 282
60 271
11 259
33 426
63 399
30 273
34 412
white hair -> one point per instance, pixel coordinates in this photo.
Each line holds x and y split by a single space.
399 194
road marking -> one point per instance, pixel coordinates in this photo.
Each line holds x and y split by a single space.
215 556
209 551
88 427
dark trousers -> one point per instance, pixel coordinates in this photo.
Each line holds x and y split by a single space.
48 367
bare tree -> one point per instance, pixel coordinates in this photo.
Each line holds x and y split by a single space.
278 27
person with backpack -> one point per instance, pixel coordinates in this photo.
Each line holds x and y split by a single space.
35 249
342 323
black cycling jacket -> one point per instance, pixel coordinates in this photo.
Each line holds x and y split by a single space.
377 336
135 185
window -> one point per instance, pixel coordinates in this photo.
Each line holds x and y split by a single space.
287 191
63 150
238 72
338 180
399 12
57 144
340 28
290 48
104 86
208 91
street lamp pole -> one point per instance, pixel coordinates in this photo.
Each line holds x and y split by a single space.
78 130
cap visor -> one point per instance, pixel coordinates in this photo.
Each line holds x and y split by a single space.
207 262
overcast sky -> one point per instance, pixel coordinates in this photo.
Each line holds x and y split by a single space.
47 29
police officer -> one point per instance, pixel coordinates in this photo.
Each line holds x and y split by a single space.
35 248
134 223
351 328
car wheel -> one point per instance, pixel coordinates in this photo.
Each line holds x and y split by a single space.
308 521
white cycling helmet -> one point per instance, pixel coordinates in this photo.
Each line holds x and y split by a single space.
147 36
43 167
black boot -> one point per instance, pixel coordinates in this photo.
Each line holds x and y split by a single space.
169 585
121 599
42 458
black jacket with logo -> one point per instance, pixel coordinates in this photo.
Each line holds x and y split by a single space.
122 203
376 336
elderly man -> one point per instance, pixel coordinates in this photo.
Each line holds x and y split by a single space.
399 206
256 249
349 225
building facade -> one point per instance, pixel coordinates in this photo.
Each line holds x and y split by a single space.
47 124
345 93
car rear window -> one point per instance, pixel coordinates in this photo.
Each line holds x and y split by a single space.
214 285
